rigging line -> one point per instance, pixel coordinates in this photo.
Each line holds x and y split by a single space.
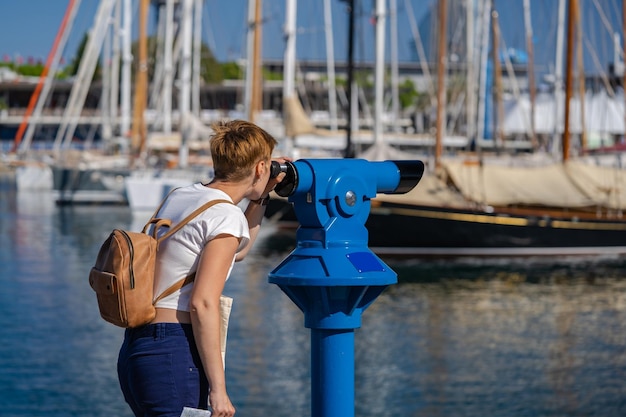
603 18
208 28
509 66
598 65
420 50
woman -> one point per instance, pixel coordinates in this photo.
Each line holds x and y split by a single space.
176 361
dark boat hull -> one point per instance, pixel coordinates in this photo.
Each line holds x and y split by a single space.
421 231
427 231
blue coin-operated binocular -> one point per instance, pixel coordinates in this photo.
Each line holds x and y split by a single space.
331 275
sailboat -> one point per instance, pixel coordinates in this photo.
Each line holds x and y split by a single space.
489 205
518 206
85 176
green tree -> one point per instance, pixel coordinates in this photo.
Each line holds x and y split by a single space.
210 70
408 95
232 71
30 70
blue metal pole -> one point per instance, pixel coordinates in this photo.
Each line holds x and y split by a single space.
332 373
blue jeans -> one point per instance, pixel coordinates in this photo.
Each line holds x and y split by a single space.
160 371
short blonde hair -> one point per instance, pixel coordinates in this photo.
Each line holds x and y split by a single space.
236 146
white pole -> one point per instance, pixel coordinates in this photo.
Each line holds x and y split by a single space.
115 65
379 73
558 74
185 84
470 103
106 86
168 67
127 62
484 50
395 98
330 66
290 49
197 49
249 57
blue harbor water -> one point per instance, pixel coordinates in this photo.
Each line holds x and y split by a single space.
451 339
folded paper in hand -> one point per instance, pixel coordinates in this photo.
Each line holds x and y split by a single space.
195 412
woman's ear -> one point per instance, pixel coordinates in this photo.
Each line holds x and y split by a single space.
261 167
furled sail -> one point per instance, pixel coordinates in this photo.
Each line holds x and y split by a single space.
295 119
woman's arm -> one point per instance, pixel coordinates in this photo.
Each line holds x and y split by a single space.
254 213
213 268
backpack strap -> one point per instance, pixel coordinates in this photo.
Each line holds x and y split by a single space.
158 223
176 286
187 219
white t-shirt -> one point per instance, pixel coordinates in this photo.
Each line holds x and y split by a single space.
179 254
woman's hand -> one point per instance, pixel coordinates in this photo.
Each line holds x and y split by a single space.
271 183
221 405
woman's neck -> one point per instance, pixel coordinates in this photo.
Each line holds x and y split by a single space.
236 191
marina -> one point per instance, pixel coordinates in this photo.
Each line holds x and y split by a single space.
483 191
510 251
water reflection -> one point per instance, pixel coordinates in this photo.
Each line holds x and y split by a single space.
472 338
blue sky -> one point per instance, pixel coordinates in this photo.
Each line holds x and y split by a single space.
28 28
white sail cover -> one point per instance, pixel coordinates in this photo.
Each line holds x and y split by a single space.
570 185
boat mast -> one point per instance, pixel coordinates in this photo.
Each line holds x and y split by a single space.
395 97
531 72
290 48
441 85
581 76
127 62
379 77
484 57
184 104
197 51
105 97
247 94
573 11
330 66
115 65
168 67
253 73
497 76
349 151
558 73
289 70
138 135
470 103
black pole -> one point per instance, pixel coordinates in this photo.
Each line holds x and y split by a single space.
349 151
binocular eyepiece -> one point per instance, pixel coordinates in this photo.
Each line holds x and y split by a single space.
276 168
286 187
